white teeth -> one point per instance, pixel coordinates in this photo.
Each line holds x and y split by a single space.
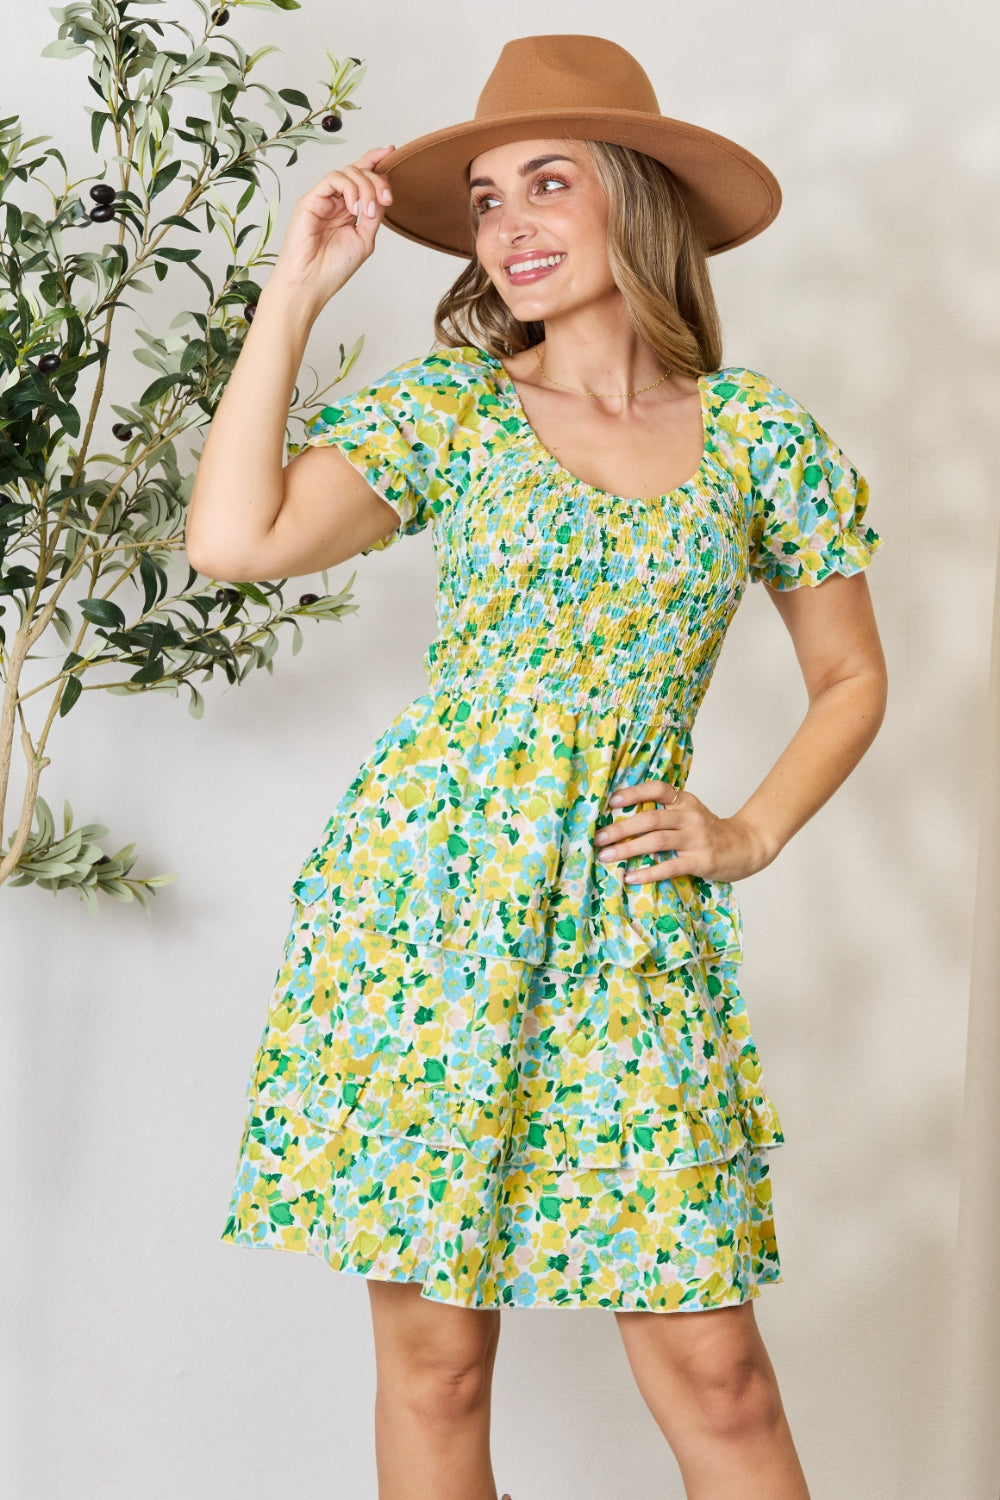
534 265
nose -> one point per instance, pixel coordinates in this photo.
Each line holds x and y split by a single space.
515 221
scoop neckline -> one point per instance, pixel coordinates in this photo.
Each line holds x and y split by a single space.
510 390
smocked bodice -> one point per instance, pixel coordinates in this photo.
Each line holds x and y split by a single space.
550 587
577 633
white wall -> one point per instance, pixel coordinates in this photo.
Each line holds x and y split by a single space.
147 1359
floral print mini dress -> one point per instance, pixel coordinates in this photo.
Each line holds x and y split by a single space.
490 1065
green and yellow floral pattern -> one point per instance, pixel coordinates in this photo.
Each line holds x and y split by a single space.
489 1064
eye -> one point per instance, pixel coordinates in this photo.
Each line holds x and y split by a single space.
484 201
543 181
480 204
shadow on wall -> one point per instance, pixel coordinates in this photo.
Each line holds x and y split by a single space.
882 279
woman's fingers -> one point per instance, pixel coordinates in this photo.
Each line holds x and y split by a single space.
366 165
643 791
373 157
669 870
656 841
360 189
695 843
367 188
633 825
679 826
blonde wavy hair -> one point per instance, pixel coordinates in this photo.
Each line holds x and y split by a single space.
657 261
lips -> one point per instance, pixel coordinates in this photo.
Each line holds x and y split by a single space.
533 266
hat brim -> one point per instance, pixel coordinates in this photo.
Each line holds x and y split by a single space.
730 194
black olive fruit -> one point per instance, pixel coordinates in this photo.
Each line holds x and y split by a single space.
49 362
220 17
102 213
308 598
122 431
249 311
102 192
332 122
228 596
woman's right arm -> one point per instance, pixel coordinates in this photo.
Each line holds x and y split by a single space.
250 517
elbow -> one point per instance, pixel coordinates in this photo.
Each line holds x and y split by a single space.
871 690
214 561
214 546
203 560
197 547
881 699
859 700
876 677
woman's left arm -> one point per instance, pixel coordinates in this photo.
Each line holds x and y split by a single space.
836 640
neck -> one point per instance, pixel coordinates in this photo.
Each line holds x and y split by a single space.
598 354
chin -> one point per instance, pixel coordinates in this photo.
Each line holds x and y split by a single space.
535 309
531 312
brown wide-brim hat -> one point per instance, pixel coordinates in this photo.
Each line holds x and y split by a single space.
576 88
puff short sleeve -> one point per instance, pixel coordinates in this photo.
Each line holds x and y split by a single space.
806 500
399 434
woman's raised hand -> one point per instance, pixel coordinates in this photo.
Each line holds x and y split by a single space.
332 230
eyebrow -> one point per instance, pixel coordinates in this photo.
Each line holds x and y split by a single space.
522 171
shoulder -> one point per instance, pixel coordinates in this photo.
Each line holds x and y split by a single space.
761 432
436 379
430 405
748 399
769 441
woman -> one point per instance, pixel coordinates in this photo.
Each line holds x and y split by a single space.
507 1062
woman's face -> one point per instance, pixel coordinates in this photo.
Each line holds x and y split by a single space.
542 219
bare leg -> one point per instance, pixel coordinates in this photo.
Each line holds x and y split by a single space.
707 1379
434 1371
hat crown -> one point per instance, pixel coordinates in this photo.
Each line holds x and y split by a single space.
565 72
581 88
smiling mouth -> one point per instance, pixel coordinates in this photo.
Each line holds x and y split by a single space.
534 268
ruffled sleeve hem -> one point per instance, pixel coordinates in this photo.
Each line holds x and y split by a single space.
849 552
404 434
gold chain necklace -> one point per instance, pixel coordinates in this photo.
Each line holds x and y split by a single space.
607 395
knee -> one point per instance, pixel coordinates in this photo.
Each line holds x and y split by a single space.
737 1398
446 1388
431 1361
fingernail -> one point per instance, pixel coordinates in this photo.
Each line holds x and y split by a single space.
371 209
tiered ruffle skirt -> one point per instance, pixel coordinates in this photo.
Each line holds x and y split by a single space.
490 1066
